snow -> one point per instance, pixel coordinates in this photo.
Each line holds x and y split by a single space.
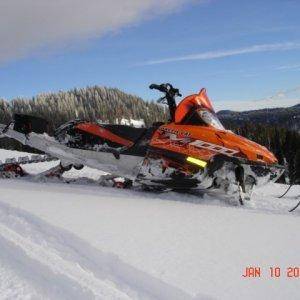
131 122
12 286
83 241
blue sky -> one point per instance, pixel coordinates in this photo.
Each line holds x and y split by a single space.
238 50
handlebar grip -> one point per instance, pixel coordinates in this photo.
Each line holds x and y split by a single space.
176 92
166 88
156 87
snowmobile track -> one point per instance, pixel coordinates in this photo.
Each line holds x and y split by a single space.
78 270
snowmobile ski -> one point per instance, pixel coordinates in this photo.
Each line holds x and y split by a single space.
294 208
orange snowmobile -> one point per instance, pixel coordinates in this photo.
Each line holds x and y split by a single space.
191 151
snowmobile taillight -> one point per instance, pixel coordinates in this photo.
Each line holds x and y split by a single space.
196 161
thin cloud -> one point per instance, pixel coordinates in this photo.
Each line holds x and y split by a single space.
282 98
28 26
289 93
227 53
289 67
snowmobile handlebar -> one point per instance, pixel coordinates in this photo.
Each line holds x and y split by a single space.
166 88
170 94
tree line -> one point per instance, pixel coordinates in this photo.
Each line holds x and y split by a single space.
91 103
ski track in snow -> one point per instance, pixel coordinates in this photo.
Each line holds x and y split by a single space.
62 266
12 286
39 260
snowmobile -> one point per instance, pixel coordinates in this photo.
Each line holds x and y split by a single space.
191 151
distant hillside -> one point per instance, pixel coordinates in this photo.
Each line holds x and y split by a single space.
91 103
288 118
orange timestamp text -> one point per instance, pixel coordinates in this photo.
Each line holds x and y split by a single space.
272 272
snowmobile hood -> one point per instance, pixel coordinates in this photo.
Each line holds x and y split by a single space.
205 142
249 149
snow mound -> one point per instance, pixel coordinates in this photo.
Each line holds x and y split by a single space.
63 266
83 241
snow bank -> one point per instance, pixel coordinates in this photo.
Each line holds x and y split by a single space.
132 122
62 266
147 245
12 286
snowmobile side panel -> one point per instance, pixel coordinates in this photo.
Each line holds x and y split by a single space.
205 142
103 133
110 138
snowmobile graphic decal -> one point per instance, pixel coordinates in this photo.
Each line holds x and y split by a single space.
213 147
103 133
172 142
172 131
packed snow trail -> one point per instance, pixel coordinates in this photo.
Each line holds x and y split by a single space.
12 286
39 277
200 245
65 267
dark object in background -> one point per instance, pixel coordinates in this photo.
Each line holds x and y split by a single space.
26 124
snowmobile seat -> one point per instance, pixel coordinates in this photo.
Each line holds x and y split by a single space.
139 137
158 124
26 124
127 132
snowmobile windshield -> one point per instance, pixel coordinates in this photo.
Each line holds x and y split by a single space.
210 119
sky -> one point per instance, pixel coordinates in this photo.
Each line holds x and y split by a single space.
239 50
